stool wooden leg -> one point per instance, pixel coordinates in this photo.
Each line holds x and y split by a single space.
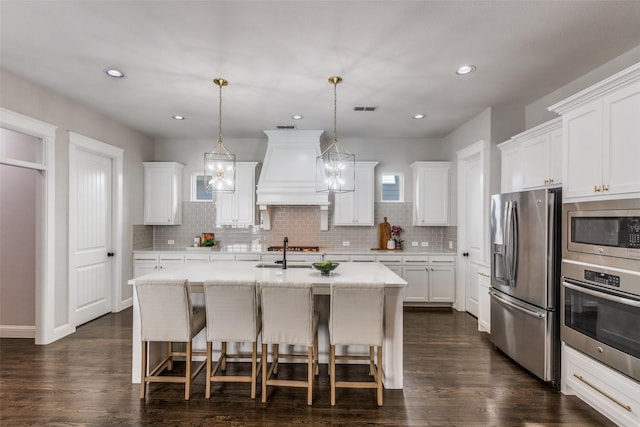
263 361
207 393
187 375
315 355
223 364
379 376
372 363
170 353
253 369
332 373
143 369
275 358
310 375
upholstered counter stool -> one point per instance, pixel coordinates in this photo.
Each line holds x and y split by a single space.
288 317
166 315
232 316
356 318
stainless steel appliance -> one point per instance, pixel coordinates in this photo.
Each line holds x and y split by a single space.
525 279
601 282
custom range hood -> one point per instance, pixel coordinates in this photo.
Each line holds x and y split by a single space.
288 176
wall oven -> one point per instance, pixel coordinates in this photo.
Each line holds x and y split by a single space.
600 292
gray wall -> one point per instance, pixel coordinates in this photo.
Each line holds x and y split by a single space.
29 98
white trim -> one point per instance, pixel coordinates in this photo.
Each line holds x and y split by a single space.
116 154
17 331
467 152
45 329
22 164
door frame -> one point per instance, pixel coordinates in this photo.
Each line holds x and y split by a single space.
76 142
45 307
479 147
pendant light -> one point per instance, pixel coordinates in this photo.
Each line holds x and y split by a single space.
335 167
220 165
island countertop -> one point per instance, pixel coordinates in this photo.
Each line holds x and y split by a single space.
347 272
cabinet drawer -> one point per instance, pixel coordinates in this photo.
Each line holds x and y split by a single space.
362 258
145 259
611 393
248 257
441 260
196 258
389 260
415 260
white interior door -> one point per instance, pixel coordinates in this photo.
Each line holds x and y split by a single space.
90 232
471 225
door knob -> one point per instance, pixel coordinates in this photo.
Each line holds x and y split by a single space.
110 254
465 253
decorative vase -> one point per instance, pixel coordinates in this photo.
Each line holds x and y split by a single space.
391 244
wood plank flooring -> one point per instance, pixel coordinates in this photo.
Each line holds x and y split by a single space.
453 376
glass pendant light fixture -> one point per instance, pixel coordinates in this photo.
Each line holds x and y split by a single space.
220 165
335 167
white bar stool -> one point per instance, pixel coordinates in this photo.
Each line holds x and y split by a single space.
232 316
166 315
288 317
357 319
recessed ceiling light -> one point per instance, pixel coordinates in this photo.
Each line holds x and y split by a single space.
116 74
297 117
178 117
465 69
419 116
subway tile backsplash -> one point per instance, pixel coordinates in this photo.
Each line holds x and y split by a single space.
300 223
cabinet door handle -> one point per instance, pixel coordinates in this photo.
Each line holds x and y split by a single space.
604 188
546 181
551 181
613 399
596 189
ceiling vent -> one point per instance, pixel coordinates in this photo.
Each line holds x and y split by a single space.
364 108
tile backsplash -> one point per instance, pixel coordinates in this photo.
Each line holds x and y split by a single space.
300 223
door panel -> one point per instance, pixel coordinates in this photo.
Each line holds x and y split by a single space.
474 227
92 275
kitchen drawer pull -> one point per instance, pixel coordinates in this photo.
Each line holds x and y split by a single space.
485 275
442 262
363 260
613 399
420 261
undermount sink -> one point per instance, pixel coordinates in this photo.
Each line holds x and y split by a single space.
269 265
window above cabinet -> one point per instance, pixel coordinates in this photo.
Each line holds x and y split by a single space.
392 187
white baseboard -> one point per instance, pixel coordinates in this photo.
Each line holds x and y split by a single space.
17 331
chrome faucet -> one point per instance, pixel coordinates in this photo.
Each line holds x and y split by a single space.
284 252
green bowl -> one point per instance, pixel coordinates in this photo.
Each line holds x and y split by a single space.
325 270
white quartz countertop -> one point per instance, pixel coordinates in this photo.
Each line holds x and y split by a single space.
321 252
346 272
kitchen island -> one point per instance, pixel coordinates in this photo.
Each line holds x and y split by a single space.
347 272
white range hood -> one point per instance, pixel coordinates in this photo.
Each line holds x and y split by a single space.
288 176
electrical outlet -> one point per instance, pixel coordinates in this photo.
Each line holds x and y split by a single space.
450 245
346 243
171 242
424 244
414 243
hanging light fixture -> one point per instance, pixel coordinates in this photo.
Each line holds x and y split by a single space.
335 167
220 165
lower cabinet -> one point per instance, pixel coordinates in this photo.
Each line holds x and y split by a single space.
484 301
430 279
614 395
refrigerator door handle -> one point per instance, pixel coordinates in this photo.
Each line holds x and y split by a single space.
506 232
514 241
517 307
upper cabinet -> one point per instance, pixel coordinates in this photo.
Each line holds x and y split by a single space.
162 193
239 207
533 159
601 125
431 193
356 208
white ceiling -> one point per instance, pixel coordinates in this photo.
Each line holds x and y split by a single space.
399 56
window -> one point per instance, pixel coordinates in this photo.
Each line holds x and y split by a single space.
199 192
392 187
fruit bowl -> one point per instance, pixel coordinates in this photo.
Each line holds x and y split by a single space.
325 268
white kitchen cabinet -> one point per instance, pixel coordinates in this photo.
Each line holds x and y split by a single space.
144 264
356 207
606 390
239 207
600 139
430 279
484 300
162 193
431 193
392 262
533 159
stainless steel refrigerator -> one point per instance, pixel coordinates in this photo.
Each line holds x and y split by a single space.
525 279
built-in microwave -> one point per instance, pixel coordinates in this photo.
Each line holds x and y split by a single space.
603 232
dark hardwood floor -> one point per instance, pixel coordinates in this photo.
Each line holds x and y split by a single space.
453 376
